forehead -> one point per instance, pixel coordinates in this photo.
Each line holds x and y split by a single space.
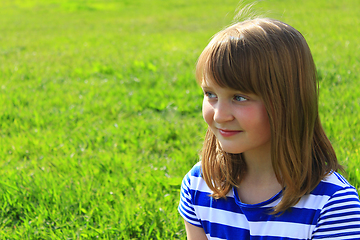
226 81
208 80
213 86
227 66
210 84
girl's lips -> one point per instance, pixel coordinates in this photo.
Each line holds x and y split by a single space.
228 133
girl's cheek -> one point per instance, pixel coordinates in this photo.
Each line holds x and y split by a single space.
207 112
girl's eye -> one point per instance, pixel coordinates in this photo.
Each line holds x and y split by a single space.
209 95
239 98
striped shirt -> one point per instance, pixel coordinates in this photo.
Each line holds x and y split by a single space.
330 211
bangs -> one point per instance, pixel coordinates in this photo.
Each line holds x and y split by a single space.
230 61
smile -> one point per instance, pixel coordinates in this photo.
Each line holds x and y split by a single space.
228 133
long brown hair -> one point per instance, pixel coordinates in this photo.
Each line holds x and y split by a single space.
271 59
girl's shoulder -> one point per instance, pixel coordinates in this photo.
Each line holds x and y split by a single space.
195 184
195 170
194 177
339 210
333 187
332 183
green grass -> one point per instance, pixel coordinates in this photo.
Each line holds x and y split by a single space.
101 114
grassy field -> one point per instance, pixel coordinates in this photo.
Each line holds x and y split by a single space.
101 115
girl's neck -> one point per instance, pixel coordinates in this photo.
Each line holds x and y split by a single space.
258 161
253 191
260 182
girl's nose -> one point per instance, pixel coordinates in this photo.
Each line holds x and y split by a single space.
222 113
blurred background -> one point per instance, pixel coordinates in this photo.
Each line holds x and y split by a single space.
101 114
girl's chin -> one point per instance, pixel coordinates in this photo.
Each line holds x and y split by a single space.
230 150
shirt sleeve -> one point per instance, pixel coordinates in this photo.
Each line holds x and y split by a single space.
340 217
186 208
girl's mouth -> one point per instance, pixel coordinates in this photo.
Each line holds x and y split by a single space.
228 133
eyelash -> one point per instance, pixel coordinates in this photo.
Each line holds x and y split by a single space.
208 93
236 97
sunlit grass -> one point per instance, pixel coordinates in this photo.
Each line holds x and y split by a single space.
101 114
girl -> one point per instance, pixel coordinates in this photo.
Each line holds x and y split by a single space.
267 169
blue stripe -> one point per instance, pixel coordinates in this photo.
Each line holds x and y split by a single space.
349 191
341 178
196 170
346 214
306 216
185 204
325 191
347 234
351 227
347 219
275 238
303 216
185 213
356 206
224 231
202 199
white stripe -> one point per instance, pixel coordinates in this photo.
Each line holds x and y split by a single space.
312 202
347 210
274 203
341 204
337 231
213 238
333 179
345 190
223 217
185 193
340 218
199 184
184 207
277 228
346 198
281 229
190 221
230 193
346 237
186 183
185 198
343 198
186 186
321 222
187 216
341 225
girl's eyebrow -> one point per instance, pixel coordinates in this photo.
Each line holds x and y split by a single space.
205 86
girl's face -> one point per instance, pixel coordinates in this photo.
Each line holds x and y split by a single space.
239 121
